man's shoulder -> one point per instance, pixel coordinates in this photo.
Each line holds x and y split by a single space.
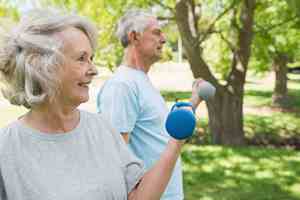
125 74
122 80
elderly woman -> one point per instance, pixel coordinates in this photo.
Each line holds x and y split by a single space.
56 151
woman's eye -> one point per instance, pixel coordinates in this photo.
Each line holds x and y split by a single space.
81 58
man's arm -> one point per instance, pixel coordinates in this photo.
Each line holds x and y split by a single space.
117 100
195 99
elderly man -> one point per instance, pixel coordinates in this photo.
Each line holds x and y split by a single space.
134 106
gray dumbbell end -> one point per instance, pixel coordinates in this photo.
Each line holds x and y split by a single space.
206 90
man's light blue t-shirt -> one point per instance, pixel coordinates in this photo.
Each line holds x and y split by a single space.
134 106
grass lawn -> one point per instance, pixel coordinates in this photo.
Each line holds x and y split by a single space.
222 173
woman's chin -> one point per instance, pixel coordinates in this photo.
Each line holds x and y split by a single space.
84 99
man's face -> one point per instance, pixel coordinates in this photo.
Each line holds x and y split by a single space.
151 41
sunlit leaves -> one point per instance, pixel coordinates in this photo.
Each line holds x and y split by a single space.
295 5
8 11
275 32
104 14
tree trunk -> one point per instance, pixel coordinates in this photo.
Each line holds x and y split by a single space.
226 109
226 119
280 95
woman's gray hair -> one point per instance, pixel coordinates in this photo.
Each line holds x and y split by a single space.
133 20
30 55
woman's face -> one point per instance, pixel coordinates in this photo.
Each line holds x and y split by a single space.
77 70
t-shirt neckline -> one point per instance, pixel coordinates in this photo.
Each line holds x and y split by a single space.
51 136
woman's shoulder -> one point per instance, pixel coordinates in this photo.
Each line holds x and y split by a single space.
9 129
98 120
6 134
101 122
92 117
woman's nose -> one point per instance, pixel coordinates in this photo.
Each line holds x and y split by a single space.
93 70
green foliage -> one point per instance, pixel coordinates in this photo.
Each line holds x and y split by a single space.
222 39
295 6
276 33
218 55
8 11
105 15
175 95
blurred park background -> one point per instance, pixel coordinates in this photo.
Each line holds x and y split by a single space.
247 142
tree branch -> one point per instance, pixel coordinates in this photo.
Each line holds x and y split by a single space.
230 44
211 26
171 18
158 2
234 21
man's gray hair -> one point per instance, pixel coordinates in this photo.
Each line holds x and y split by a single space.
133 20
30 55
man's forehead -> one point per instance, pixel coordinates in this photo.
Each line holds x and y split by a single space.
155 23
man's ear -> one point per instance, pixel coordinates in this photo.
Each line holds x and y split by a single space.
133 36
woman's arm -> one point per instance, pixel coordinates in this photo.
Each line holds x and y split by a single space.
154 182
2 188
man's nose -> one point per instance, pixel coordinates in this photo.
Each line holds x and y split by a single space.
163 38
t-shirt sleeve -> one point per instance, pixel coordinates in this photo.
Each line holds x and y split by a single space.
119 102
133 168
2 186
2 189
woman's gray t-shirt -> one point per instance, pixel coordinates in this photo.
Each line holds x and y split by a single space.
91 162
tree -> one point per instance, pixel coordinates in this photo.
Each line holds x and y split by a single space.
226 110
275 44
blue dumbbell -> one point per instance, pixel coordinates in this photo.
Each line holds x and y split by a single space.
180 123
